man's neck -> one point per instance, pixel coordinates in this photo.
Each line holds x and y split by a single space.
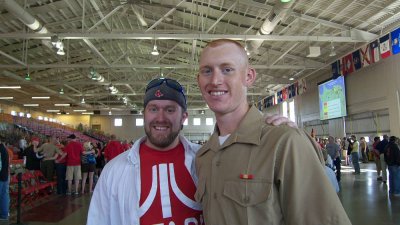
228 123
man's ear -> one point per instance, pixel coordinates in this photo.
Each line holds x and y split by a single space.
250 76
185 115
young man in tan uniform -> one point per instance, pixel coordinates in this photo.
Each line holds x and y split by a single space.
250 172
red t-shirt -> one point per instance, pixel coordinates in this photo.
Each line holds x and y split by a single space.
74 151
164 174
113 149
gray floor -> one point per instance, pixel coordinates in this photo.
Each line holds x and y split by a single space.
365 200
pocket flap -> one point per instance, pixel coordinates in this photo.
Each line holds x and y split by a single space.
247 193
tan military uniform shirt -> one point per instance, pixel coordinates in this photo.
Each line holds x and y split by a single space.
49 150
265 174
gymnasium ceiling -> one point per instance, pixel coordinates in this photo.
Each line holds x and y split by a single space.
114 39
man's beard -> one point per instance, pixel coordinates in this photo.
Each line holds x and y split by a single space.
161 141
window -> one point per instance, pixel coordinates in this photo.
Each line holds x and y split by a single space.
118 122
139 122
284 109
196 121
292 114
186 122
209 121
13 113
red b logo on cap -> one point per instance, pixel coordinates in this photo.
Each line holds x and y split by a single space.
158 94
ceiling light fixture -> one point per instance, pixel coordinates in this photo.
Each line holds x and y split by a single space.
62 104
6 98
60 51
31 105
27 77
333 52
245 48
110 113
10 87
54 40
61 91
53 110
41 97
155 51
83 100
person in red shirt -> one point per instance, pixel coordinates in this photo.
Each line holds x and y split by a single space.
74 150
113 148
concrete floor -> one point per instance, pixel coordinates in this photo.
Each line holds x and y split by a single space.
365 200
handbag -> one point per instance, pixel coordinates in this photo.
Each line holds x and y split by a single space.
91 159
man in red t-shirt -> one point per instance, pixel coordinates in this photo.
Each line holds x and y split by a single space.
155 181
113 148
74 150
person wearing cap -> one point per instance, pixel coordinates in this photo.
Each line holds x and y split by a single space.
31 157
251 172
154 181
73 151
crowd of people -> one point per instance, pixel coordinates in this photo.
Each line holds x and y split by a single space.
385 153
68 162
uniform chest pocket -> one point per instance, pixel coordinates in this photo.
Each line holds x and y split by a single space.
247 193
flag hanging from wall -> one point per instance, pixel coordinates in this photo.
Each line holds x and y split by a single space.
279 96
292 91
357 60
395 36
336 72
374 51
365 55
384 46
302 87
284 93
266 101
347 62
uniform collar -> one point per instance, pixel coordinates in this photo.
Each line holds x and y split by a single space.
248 132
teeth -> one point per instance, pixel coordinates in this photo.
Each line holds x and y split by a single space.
160 128
217 93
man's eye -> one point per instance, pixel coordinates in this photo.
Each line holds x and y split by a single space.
205 71
153 109
171 110
227 70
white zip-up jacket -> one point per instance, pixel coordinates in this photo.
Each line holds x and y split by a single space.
115 200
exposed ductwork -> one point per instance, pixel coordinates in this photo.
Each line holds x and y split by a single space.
277 14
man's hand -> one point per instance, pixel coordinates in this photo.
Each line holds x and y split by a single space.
279 120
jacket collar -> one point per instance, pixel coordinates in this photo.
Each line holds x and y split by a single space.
248 132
